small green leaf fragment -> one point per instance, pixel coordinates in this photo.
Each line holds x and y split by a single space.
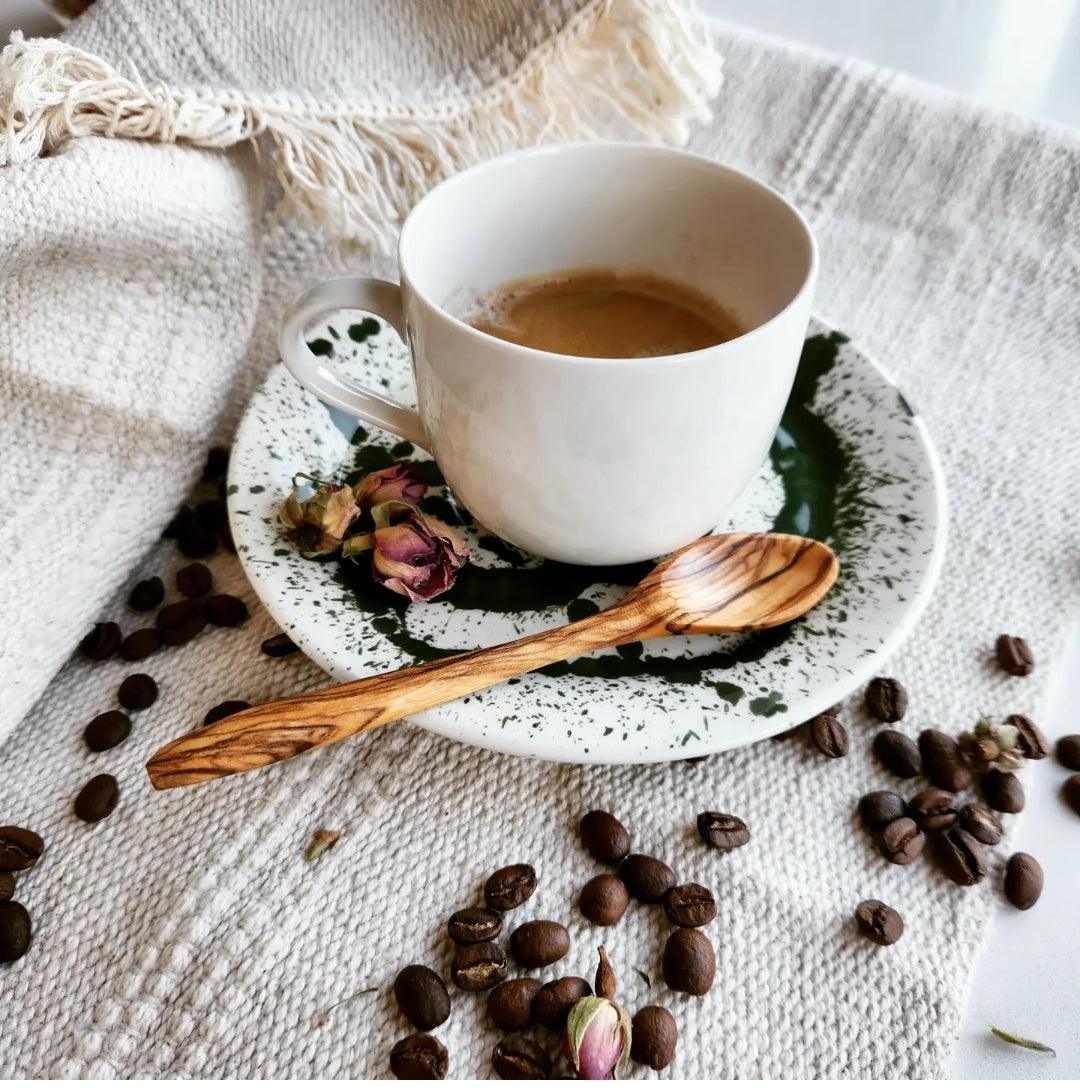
1027 1044
643 976
321 841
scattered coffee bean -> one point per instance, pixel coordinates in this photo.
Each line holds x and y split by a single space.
722 831
281 644
510 1004
829 736
788 733
604 899
1030 740
419 1057
897 753
539 943
1014 655
982 824
7 885
886 699
518 1058
478 967
1023 881
194 580
211 514
690 905
137 692
196 541
107 730
225 709
555 1000
901 841
933 809
646 878
604 837
879 809
509 887
101 642
19 848
226 610
942 763
1070 792
961 857
217 462
422 997
878 922
654 1036
140 644
1003 791
15 931
181 622
97 798
179 523
689 962
474 925
1068 752
147 594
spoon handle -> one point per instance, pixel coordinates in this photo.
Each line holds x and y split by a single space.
289 726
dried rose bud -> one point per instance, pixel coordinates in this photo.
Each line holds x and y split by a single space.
416 555
993 746
321 841
605 983
318 525
597 1041
398 482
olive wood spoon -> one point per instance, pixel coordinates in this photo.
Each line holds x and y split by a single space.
721 584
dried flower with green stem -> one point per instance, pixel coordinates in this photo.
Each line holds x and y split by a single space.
991 746
598 1031
398 482
318 525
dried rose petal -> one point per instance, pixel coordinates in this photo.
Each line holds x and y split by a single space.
396 483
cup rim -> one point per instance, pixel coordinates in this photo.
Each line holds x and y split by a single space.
556 149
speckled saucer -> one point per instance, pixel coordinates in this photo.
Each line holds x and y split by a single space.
852 464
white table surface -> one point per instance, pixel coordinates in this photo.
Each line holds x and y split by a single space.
1021 55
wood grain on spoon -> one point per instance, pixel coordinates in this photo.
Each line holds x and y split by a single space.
721 584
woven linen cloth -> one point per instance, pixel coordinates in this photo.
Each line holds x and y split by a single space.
186 936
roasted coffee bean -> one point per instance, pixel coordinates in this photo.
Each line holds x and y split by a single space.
722 831
419 1057
474 925
1002 790
181 622
901 841
604 899
1029 738
538 943
942 763
879 809
646 878
654 1036
225 709
15 931
7 885
510 1004
878 922
217 462
140 644
961 857
788 733
196 541
107 730
604 837
19 848
422 997
689 962
886 699
101 642
1068 752
518 1058
897 752
509 887
829 736
226 610
281 644
211 514
147 594
982 824
194 580
690 905
179 523
1014 655
554 1000
1070 792
137 692
97 798
933 809
1023 881
478 967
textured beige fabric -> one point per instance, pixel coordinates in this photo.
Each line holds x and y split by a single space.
185 936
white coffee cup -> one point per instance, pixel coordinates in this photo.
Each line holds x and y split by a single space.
583 460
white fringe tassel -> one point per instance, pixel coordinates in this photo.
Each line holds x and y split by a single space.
641 67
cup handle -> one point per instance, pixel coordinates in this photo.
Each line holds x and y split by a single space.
367 294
